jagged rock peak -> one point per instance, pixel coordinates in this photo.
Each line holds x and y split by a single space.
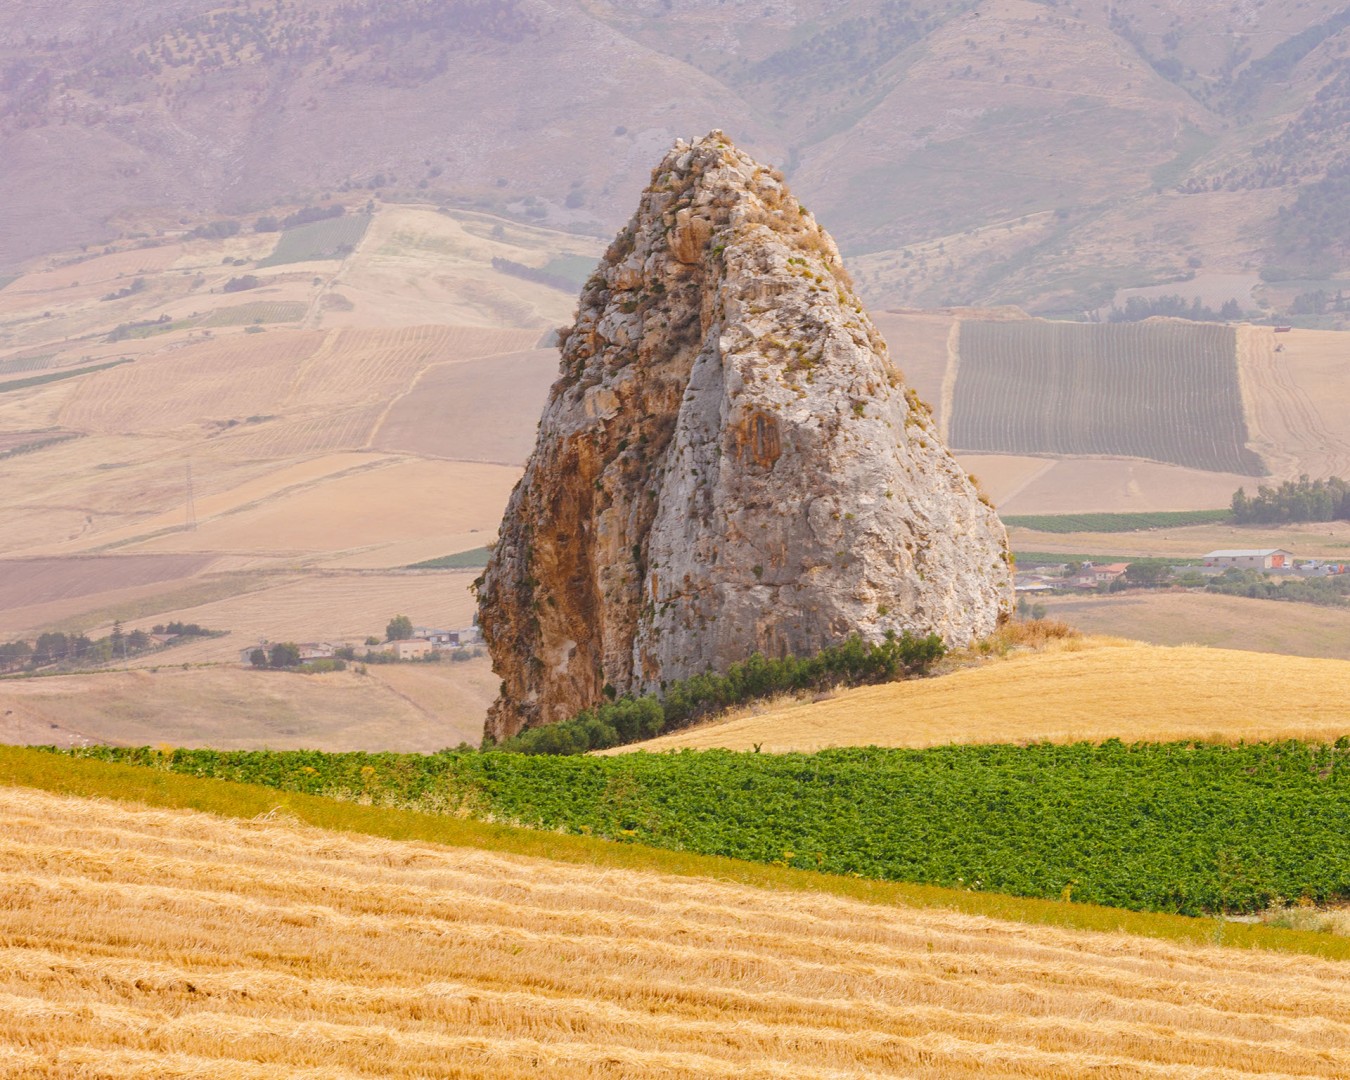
728 463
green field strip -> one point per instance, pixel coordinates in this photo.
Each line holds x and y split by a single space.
57 376
1116 523
40 769
473 559
333 238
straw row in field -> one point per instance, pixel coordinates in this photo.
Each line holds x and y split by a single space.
150 943
1162 390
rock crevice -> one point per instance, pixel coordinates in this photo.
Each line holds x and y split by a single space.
728 463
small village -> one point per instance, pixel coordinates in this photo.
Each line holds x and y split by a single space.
408 644
1086 576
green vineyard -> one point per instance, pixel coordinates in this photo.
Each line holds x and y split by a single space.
334 238
1167 391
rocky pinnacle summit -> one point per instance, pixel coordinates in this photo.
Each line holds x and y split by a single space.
728 463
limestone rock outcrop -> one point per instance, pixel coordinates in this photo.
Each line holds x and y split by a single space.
728 463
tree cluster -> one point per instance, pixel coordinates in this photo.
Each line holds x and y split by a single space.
1301 500
1137 308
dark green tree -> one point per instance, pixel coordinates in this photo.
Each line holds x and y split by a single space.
400 628
284 654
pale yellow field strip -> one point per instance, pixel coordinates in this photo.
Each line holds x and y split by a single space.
151 943
408 708
1314 539
1121 485
284 478
1084 690
391 505
1003 476
1222 622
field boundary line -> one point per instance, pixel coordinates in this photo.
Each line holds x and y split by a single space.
948 393
45 771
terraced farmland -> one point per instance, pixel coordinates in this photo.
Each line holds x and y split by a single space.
1164 390
153 943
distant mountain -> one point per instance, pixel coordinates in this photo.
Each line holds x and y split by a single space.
1008 151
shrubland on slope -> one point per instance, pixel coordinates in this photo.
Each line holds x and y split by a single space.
729 463
145 943
1016 151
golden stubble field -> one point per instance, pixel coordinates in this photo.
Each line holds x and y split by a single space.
151 943
1074 690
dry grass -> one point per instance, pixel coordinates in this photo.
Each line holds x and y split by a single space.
393 514
413 710
1223 622
917 342
1319 539
1074 689
166 943
481 410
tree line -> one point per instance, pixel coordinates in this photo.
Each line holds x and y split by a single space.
1301 500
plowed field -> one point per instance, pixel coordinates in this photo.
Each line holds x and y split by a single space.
146 943
1161 389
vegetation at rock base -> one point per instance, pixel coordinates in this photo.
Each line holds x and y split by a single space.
1182 827
627 720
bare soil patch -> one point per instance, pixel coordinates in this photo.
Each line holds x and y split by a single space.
26 582
482 410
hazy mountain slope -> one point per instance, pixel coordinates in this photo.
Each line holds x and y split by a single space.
1025 151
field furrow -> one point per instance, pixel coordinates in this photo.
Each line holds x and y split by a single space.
1161 390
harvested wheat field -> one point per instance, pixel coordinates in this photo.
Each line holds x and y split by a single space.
1294 389
1079 689
150 943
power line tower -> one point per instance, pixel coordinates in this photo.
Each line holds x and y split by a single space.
191 522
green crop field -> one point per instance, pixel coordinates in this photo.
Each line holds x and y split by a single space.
1164 390
333 238
1116 523
261 311
57 376
1181 827
460 560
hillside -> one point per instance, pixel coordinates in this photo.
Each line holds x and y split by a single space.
166 942
362 411
267 460
1081 691
965 151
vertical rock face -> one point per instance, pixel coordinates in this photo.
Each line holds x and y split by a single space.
729 463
